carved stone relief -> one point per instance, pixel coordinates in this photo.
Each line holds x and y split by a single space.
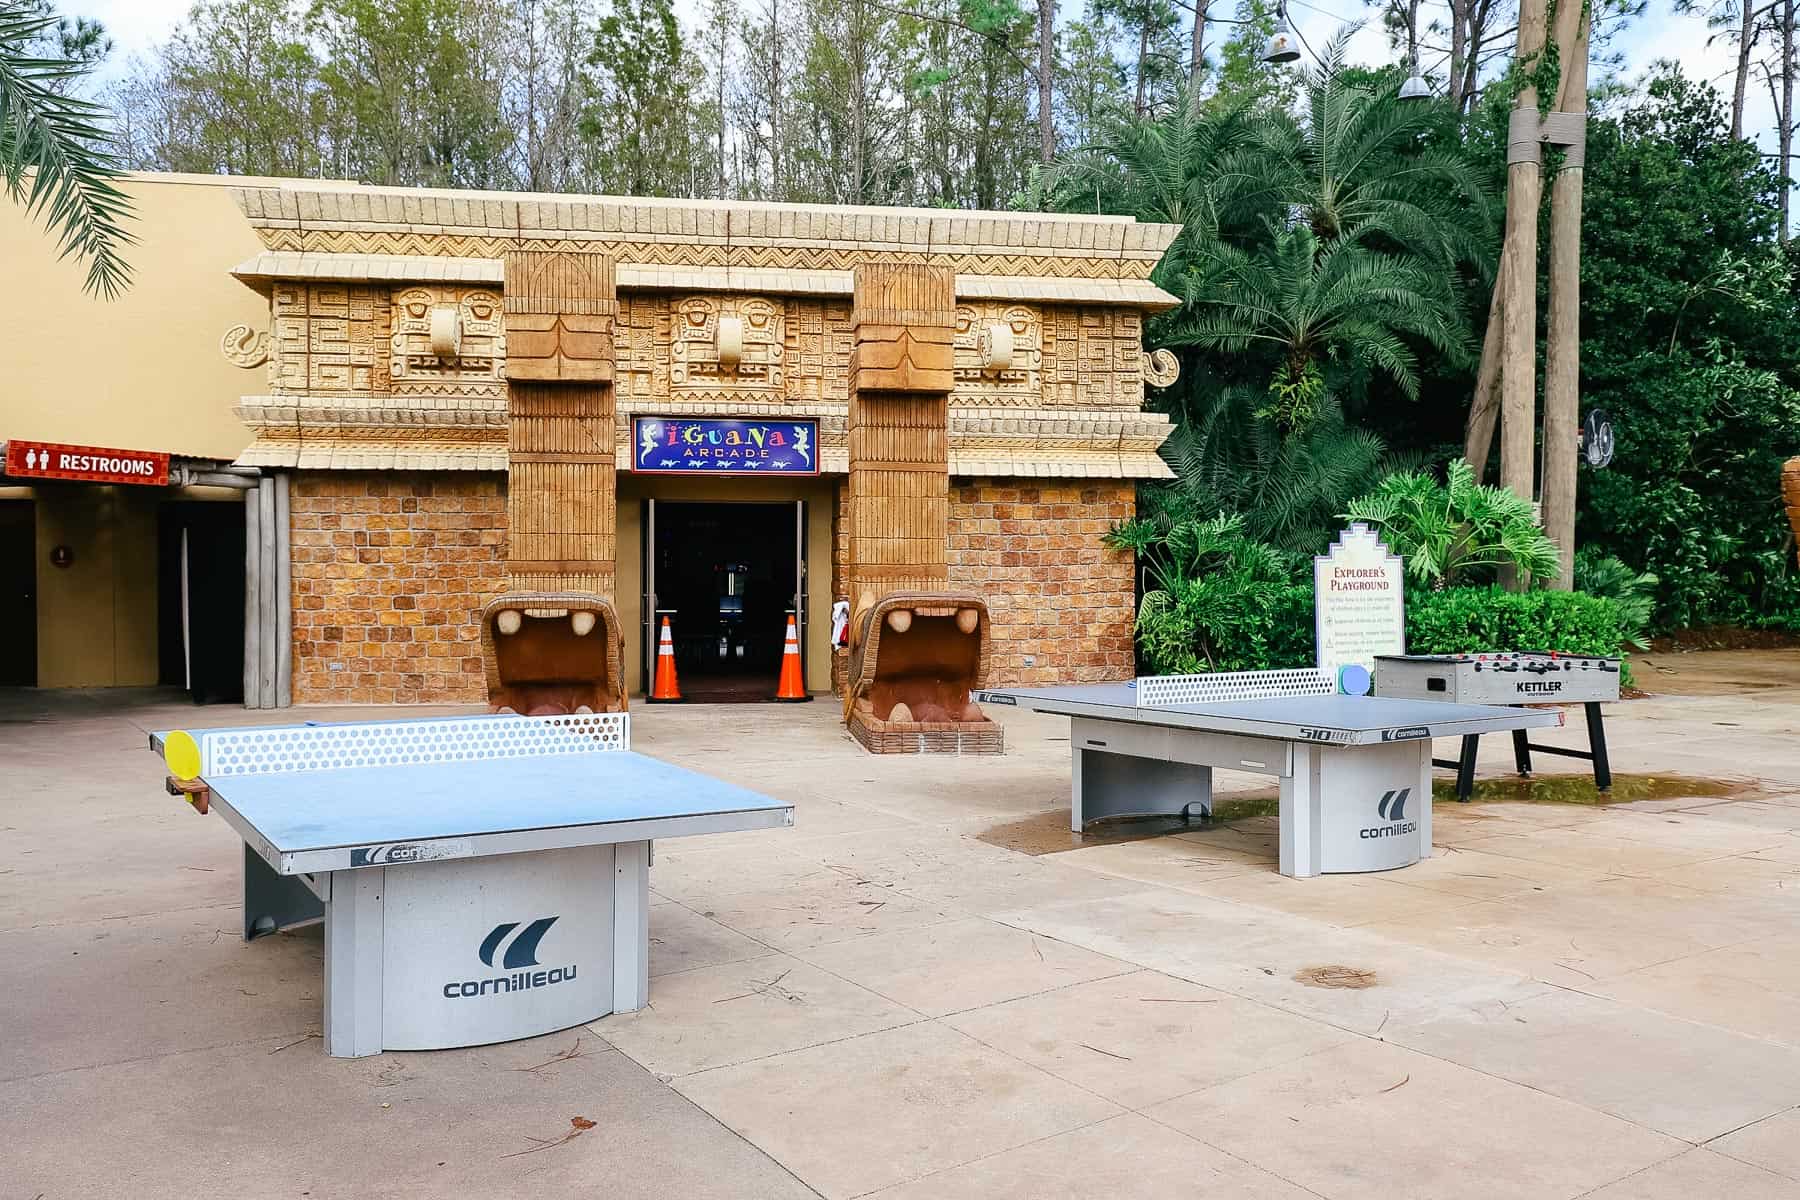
695 365
447 341
245 347
977 381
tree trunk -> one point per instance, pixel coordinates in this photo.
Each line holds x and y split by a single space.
1786 117
776 193
1046 75
1562 353
1518 332
1459 51
1746 40
1197 68
1478 442
1144 55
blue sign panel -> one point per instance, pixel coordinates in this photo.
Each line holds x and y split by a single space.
688 445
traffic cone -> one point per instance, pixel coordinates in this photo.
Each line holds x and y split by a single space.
665 688
791 686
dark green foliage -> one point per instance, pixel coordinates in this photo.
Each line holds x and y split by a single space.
1689 330
1634 592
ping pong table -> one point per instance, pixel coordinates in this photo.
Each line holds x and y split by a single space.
480 879
1355 771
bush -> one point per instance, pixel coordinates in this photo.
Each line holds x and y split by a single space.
1220 601
1462 620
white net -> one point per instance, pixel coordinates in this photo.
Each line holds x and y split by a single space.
1155 691
290 748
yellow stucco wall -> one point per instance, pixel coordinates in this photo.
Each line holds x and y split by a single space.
141 372
819 494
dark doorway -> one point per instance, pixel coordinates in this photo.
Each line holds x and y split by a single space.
18 593
726 575
200 593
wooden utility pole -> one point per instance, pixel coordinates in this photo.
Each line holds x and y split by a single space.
1518 313
1562 352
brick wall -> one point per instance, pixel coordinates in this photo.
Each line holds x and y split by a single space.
390 571
1055 593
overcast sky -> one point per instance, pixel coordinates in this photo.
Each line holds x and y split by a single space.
136 25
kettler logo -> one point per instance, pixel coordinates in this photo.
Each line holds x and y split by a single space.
1392 809
1542 687
517 950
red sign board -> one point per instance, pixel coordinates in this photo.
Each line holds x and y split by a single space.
93 464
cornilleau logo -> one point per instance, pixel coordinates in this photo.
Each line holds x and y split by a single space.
523 950
1392 809
520 954
1398 802
400 853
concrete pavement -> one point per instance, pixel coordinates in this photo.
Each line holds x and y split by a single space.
888 1000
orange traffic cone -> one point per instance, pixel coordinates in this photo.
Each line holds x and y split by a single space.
665 687
791 686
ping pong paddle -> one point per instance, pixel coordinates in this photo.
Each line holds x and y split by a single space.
181 753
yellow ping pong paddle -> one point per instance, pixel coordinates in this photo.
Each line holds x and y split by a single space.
182 754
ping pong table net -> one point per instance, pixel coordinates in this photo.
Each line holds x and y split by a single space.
553 653
914 659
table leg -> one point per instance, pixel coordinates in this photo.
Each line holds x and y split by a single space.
1465 766
353 963
1597 747
1424 805
1522 752
1301 814
631 926
1107 783
273 902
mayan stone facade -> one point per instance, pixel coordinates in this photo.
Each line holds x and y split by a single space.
390 571
383 380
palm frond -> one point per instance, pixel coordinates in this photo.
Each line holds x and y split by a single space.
56 153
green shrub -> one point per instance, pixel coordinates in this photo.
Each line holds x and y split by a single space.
1218 596
1463 620
1449 531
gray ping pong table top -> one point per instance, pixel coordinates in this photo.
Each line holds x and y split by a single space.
1344 720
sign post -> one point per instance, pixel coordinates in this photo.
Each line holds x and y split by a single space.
89 464
1359 601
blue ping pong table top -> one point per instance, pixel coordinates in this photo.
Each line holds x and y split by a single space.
1352 714
318 810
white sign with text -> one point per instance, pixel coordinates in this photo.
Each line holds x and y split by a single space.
1359 600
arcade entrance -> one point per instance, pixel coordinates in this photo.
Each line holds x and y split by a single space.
725 574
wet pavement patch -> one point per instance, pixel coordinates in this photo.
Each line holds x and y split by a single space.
1049 832
1334 975
1580 789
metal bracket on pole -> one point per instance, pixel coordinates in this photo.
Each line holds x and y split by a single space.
1522 137
1527 132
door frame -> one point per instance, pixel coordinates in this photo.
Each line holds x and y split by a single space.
647 576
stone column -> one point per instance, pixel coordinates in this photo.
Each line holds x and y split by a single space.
901 371
562 505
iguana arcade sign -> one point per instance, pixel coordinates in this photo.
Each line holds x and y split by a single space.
690 445
1359 601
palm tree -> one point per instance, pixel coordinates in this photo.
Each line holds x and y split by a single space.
1360 165
1199 169
56 152
1319 304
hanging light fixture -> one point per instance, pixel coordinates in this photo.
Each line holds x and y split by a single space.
1415 87
1281 47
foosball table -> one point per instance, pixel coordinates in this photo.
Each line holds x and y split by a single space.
1511 678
